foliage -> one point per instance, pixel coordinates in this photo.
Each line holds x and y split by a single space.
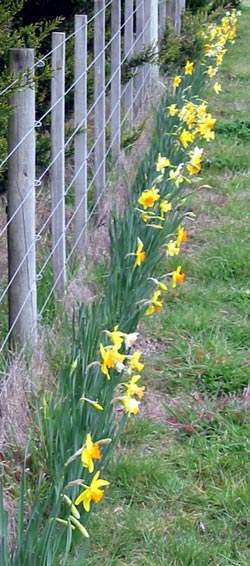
175 50
32 35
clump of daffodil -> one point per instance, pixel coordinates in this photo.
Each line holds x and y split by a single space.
92 492
205 127
149 198
177 277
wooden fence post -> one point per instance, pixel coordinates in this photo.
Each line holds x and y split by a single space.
99 97
21 203
178 10
154 37
58 161
162 14
139 18
80 139
115 79
128 52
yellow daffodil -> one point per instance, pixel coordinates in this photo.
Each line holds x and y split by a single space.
181 236
186 138
108 361
172 249
189 67
217 87
194 166
130 405
148 198
176 81
90 452
133 388
177 277
162 163
156 304
139 254
176 175
110 358
211 71
92 492
165 206
115 336
172 110
133 363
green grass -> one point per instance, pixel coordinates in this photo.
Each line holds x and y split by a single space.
180 493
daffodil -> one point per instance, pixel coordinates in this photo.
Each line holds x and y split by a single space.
172 249
189 67
211 71
130 339
194 166
172 110
90 452
162 163
92 492
217 87
176 81
115 336
133 362
165 206
130 405
177 277
181 236
186 138
133 388
156 304
110 357
139 254
148 198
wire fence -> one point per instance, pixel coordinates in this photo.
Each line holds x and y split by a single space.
51 201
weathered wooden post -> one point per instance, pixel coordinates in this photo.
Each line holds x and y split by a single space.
128 52
162 14
21 202
58 161
115 79
154 37
139 19
99 97
80 140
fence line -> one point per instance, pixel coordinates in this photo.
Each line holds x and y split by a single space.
88 164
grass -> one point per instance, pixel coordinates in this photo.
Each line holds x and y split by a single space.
180 493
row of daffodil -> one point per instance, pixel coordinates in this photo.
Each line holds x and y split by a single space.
194 122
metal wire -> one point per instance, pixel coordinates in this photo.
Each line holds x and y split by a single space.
71 183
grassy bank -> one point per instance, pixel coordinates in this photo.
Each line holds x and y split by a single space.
180 493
